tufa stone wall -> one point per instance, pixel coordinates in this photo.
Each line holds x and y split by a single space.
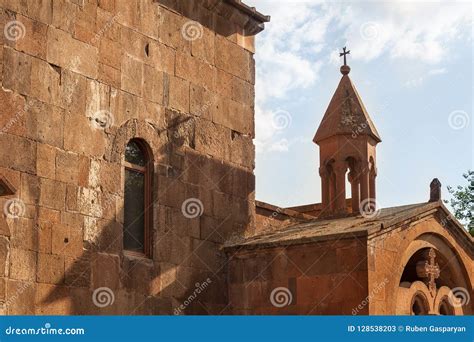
79 79
320 278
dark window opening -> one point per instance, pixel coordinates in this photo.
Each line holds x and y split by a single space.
137 199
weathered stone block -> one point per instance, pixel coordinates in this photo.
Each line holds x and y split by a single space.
45 161
67 52
105 271
21 154
22 264
41 10
33 41
21 297
153 84
45 123
4 256
12 113
50 269
67 240
16 71
52 194
24 235
64 13
132 75
78 271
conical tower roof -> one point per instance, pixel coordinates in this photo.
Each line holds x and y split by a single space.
346 114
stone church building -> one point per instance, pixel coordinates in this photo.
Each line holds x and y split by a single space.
127 178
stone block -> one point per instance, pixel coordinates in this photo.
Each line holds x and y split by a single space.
21 154
16 71
64 14
171 31
24 235
12 113
4 256
203 48
52 194
45 161
22 264
109 75
45 81
88 202
110 53
153 84
50 269
67 170
33 41
161 57
41 10
132 75
78 127
44 231
212 139
44 123
78 271
73 91
203 103
21 297
72 54
67 240
105 271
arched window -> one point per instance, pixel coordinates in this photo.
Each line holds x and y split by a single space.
137 232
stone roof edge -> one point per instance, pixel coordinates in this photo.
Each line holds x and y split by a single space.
285 211
422 212
302 241
250 11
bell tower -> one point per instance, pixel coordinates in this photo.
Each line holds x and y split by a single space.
347 140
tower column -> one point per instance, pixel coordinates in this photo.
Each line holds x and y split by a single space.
340 169
354 192
364 182
323 172
372 192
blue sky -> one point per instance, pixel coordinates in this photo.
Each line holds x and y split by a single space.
412 65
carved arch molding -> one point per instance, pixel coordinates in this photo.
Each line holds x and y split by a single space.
432 282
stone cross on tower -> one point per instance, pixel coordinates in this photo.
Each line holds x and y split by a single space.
429 270
344 53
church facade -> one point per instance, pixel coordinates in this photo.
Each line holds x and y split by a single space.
127 183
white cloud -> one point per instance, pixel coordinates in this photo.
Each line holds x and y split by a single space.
300 40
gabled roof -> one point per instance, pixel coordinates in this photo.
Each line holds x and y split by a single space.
346 114
349 227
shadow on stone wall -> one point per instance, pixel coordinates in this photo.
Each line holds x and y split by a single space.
187 253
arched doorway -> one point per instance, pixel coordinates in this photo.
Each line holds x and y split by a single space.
427 283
